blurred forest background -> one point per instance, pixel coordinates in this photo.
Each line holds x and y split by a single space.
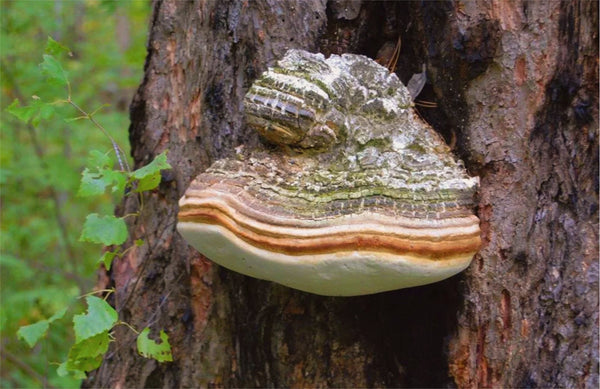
43 266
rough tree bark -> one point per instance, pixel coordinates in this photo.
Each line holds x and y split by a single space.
516 83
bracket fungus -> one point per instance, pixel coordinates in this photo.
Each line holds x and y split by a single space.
356 195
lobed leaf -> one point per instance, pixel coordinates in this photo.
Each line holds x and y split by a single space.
95 184
92 184
150 349
118 178
53 47
63 371
148 183
107 230
32 333
98 159
53 70
87 354
58 315
100 317
107 259
149 176
45 112
158 163
35 112
23 113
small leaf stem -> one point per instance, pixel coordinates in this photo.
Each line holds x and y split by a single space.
68 90
109 291
118 151
128 326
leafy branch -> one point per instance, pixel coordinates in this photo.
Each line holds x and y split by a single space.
90 116
93 330
31 117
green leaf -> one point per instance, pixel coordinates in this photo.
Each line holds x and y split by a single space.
100 317
35 112
148 182
94 346
32 333
98 159
63 371
58 315
92 184
53 47
107 259
87 354
95 184
150 349
107 230
149 175
139 242
46 110
118 179
159 163
22 113
53 70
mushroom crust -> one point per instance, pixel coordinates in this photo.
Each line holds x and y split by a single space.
357 195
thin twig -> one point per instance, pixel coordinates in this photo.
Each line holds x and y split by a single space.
39 152
25 367
393 62
123 164
81 282
426 104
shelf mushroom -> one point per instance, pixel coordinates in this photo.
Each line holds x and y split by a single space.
355 195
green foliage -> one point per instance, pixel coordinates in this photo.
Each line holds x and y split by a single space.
53 70
107 230
86 355
161 351
95 183
149 175
99 318
55 48
91 337
32 333
44 269
107 258
33 113
92 330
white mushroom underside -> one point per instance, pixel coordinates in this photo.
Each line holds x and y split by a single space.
348 273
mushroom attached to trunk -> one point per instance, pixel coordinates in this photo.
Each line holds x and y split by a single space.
357 195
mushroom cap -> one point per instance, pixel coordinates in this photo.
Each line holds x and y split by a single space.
338 273
357 196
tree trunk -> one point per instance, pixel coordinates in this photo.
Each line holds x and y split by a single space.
516 84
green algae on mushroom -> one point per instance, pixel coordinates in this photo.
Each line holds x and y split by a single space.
360 196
